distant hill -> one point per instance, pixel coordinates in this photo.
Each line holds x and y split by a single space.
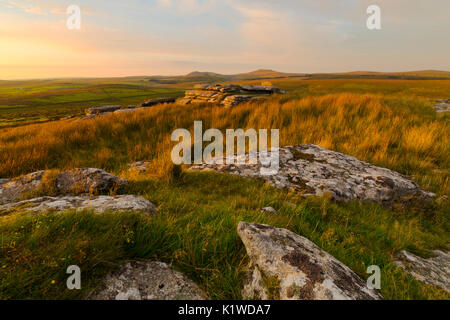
408 75
198 76
265 74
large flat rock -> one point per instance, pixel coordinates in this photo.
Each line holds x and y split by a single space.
286 266
147 280
98 204
312 170
434 271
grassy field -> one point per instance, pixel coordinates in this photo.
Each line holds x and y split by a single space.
390 123
24 102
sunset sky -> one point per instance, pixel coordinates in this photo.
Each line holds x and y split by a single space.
151 37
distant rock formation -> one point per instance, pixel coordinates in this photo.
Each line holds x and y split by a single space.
98 204
152 102
286 266
226 94
101 109
312 170
147 280
434 271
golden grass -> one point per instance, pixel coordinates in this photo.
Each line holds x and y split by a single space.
389 132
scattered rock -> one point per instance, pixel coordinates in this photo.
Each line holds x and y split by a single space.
434 271
139 166
76 181
99 204
127 110
147 280
312 170
101 109
443 105
269 210
226 94
286 266
153 102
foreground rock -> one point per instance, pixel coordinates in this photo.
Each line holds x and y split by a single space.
443 105
286 266
76 181
434 271
147 280
312 170
98 204
228 95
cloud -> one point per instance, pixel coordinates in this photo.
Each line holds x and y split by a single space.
189 6
28 6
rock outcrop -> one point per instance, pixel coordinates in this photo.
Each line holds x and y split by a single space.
75 182
286 266
226 94
147 280
312 170
443 105
434 271
98 204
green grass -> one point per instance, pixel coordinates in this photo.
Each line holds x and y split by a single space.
40 101
386 122
195 230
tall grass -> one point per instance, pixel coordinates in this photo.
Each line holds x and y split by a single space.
399 133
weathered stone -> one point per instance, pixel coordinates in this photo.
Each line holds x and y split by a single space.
262 89
232 101
98 204
434 271
269 210
226 94
443 105
312 170
286 266
101 109
76 181
153 102
147 280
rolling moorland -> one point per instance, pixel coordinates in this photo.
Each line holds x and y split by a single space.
384 119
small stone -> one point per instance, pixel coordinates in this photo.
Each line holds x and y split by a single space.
269 210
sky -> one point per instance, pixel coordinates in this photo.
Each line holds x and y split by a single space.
172 37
